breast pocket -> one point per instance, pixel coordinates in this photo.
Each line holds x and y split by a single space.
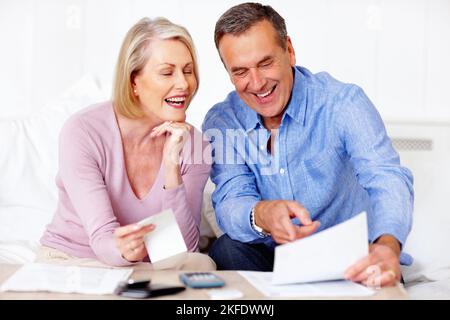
323 177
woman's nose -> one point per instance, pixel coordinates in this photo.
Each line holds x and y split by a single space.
182 83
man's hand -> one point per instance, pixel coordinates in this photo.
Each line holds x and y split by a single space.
275 217
381 267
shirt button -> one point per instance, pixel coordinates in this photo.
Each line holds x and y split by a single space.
282 171
262 146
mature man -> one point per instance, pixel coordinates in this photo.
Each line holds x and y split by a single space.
296 152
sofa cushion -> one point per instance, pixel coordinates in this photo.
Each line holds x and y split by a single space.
29 160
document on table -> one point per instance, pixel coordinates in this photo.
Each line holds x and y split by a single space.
166 240
263 282
66 279
323 256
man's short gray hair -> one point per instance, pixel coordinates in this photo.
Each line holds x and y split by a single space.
242 17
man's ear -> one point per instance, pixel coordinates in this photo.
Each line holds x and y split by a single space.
291 51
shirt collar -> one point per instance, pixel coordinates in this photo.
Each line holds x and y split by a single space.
296 108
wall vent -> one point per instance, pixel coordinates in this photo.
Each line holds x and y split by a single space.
412 144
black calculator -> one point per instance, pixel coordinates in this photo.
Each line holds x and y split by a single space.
199 280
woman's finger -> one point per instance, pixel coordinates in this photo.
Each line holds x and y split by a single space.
136 254
132 230
161 129
179 128
123 231
138 234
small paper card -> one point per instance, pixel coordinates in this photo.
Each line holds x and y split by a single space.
166 239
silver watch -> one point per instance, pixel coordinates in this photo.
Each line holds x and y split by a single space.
259 230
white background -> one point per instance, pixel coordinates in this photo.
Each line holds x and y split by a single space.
397 50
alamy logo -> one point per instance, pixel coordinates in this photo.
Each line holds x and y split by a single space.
235 147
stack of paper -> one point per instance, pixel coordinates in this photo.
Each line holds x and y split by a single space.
315 266
263 282
45 277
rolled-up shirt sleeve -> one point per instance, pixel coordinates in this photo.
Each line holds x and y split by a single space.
377 165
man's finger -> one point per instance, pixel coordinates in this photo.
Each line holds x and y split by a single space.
357 268
288 228
280 237
371 271
306 231
300 212
387 278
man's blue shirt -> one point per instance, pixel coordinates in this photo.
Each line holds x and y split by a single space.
331 154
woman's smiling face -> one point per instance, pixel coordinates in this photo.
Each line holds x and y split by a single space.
167 83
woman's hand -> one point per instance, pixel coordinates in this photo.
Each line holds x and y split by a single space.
177 134
130 241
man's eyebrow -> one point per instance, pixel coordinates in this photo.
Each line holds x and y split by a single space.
262 61
265 59
235 69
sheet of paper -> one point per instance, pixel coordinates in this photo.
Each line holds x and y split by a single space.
166 239
263 282
46 277
323 256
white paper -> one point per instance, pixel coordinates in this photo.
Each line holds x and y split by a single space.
166 240
263 282
223 294
323 256
53 278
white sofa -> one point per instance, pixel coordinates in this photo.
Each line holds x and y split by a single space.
28 164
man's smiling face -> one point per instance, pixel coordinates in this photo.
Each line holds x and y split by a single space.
259 68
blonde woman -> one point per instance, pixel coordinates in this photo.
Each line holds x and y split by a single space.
126 159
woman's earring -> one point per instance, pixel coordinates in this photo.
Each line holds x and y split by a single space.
135 91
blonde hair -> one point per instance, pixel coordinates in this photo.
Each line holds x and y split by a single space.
133 56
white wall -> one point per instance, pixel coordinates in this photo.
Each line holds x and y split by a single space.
397 50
